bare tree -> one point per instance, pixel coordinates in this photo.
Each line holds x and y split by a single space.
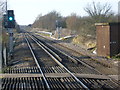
98 12
47 21
2 9
72 21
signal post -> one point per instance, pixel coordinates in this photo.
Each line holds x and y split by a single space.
9 24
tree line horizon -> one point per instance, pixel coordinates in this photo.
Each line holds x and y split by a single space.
97 13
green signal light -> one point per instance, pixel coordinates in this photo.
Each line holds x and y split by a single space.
10 18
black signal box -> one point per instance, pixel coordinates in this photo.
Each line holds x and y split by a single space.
10 23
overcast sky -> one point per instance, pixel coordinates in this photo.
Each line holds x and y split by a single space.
26 11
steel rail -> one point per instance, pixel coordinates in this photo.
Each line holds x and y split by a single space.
37 63
79 61
51 51
38 42
75 60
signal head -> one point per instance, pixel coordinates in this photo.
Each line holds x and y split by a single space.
10 18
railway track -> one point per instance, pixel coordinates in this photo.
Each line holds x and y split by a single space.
54 70
103 66
34 80
70 61
57 61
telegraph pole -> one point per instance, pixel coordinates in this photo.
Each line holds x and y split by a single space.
5 47
2 47
6 6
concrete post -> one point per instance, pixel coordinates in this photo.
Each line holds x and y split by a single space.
10 30
0 56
